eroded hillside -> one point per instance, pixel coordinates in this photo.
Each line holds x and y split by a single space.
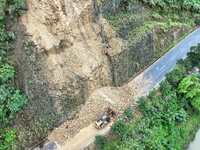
67 49
67 61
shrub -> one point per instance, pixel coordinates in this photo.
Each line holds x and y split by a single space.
7 139
128 113
194 56
165 88
6 72
16 7
196 103
11 100
175 76
191 5
197 21
190 88
100 142
120 128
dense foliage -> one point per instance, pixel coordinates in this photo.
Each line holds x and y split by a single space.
11 100
192 5
188 5
190 88
170 114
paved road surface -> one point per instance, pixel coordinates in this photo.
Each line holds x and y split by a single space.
194 145
143 82
165 64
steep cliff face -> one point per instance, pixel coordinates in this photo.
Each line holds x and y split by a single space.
143 52
69 33
65 62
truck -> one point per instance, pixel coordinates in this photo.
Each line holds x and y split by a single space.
105 118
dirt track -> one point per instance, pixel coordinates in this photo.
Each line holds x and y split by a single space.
85 137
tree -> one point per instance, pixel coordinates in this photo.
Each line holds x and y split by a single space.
11 100
194 55
190 88
120 128
6 72
176 75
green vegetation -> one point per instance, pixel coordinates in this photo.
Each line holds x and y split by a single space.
191 5
190 88
100 141
133 23
147 33
11 100
170 114
188 5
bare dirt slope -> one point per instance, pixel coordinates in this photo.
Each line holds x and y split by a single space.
68 62
66 31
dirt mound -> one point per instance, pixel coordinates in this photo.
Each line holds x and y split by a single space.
115 98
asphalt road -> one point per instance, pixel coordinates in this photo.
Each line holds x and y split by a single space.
156 72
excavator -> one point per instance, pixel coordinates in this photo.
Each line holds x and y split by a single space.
105 118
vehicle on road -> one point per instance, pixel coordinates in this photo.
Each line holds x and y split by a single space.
105 118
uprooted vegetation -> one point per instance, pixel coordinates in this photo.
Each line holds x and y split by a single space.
170 114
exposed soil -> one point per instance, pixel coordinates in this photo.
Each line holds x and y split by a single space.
119 99
80 131
76 59
115 98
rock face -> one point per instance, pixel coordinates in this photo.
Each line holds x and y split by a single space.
142 53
